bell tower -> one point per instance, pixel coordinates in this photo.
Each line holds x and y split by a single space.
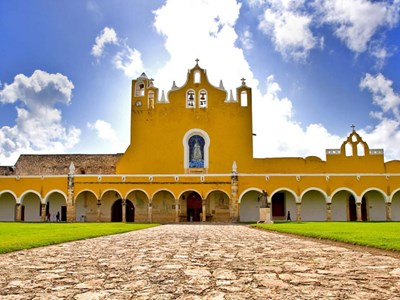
144 94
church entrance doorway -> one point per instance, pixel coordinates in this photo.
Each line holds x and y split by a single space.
116 211
278 206
194 207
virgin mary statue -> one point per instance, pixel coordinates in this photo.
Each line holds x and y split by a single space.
196 155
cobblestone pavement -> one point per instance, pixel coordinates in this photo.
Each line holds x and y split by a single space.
198 262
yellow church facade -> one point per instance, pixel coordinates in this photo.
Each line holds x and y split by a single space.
190 159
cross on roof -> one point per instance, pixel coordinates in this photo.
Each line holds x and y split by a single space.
243 81
197 61
352 126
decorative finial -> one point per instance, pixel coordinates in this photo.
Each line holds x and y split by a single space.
174 87
234 168
163 99
352 126
243 81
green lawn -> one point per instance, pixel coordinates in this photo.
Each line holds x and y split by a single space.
18 236
383 235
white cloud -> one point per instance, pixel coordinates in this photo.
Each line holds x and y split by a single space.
356 22
288 137
107 36
246 39
386 134
383 94
129 61
39 127
103 130
288 24
124 58
204 30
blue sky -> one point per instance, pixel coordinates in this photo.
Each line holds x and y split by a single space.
316 67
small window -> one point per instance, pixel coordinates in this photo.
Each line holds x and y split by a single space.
243 98
203 99
349 149
151 100
197 77
190 99
360 149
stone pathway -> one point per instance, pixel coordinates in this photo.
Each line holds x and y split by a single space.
198 262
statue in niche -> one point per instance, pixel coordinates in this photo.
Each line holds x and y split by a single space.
196 152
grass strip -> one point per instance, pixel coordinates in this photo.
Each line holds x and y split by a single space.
382 235
18 236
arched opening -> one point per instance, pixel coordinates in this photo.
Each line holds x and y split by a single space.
194 205
139 89
163 207
375 206
396 206
349 149
197 77
218 207
56 205
196 143
140 201
360 149
116 211
313 206
250 206
7 207
86 207
243 99
31 209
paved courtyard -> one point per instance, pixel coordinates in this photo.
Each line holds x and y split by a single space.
198 262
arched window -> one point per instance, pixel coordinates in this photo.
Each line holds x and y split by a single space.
243 98
139 89
190 99
196 151
349 149
360 149
196 144
203 99
197 77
